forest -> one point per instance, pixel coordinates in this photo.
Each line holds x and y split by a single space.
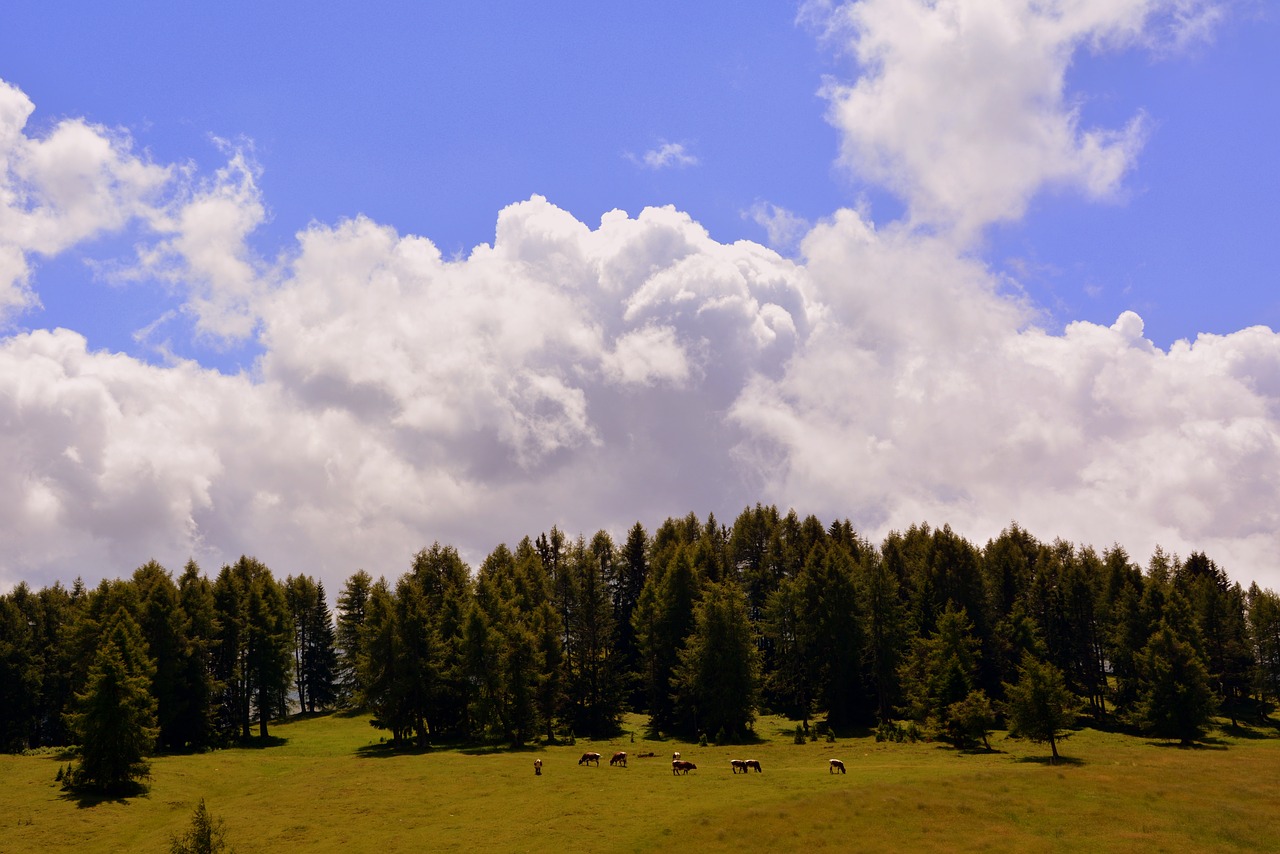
699 625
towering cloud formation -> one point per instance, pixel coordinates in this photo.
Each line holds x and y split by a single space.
593 375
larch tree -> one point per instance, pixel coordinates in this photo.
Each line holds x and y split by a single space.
717 679
1040 706
115 716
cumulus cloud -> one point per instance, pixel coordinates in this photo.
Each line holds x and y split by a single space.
74 183
668 155
961 107
592 375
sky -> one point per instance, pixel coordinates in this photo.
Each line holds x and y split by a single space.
325 284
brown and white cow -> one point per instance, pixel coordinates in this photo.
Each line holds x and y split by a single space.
682 766
537 767
751 763
675 756
836 765
619 758
738 765
588 758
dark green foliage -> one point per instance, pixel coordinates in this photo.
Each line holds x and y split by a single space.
940 671
315 661
717 681
1174 697
352 602
1039 705
663 619
254 646
114 718
564 634
971 719
830 633
207 835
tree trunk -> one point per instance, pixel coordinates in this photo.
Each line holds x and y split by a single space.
263 713
1053 745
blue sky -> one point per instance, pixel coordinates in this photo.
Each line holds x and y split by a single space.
677 368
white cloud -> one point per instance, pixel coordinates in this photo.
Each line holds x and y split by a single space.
74 183
590 376
668 155
784 229
962 106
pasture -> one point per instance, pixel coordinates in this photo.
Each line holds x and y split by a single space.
327 784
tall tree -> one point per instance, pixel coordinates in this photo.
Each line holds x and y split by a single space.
352 602
196 718
628 582
941 671
593 679
115 715
255 645
831 640
314 656
164 625
717 679
1174 699
663 620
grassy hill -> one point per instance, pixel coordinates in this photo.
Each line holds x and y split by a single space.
328 784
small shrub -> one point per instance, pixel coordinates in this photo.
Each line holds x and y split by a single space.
721 738
831 737
207 835
702 740
800 737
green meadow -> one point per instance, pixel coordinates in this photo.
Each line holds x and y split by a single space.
328 783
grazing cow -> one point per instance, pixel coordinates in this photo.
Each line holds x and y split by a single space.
588 758
836 764
738 765
751 763
675 756
619 758
679 765
648 755
537 767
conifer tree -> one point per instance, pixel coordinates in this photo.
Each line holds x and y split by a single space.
1174 697
1040 706
717 679
352 602
114 719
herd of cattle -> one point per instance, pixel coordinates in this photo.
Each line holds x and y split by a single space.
682 766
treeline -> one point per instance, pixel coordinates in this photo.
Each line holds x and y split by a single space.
699 624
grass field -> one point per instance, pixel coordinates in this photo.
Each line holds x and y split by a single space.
327 784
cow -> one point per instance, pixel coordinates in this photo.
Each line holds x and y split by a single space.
675 756
619 758
836 764
537 767
681 766
751 763
588 758
648 755
738 765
